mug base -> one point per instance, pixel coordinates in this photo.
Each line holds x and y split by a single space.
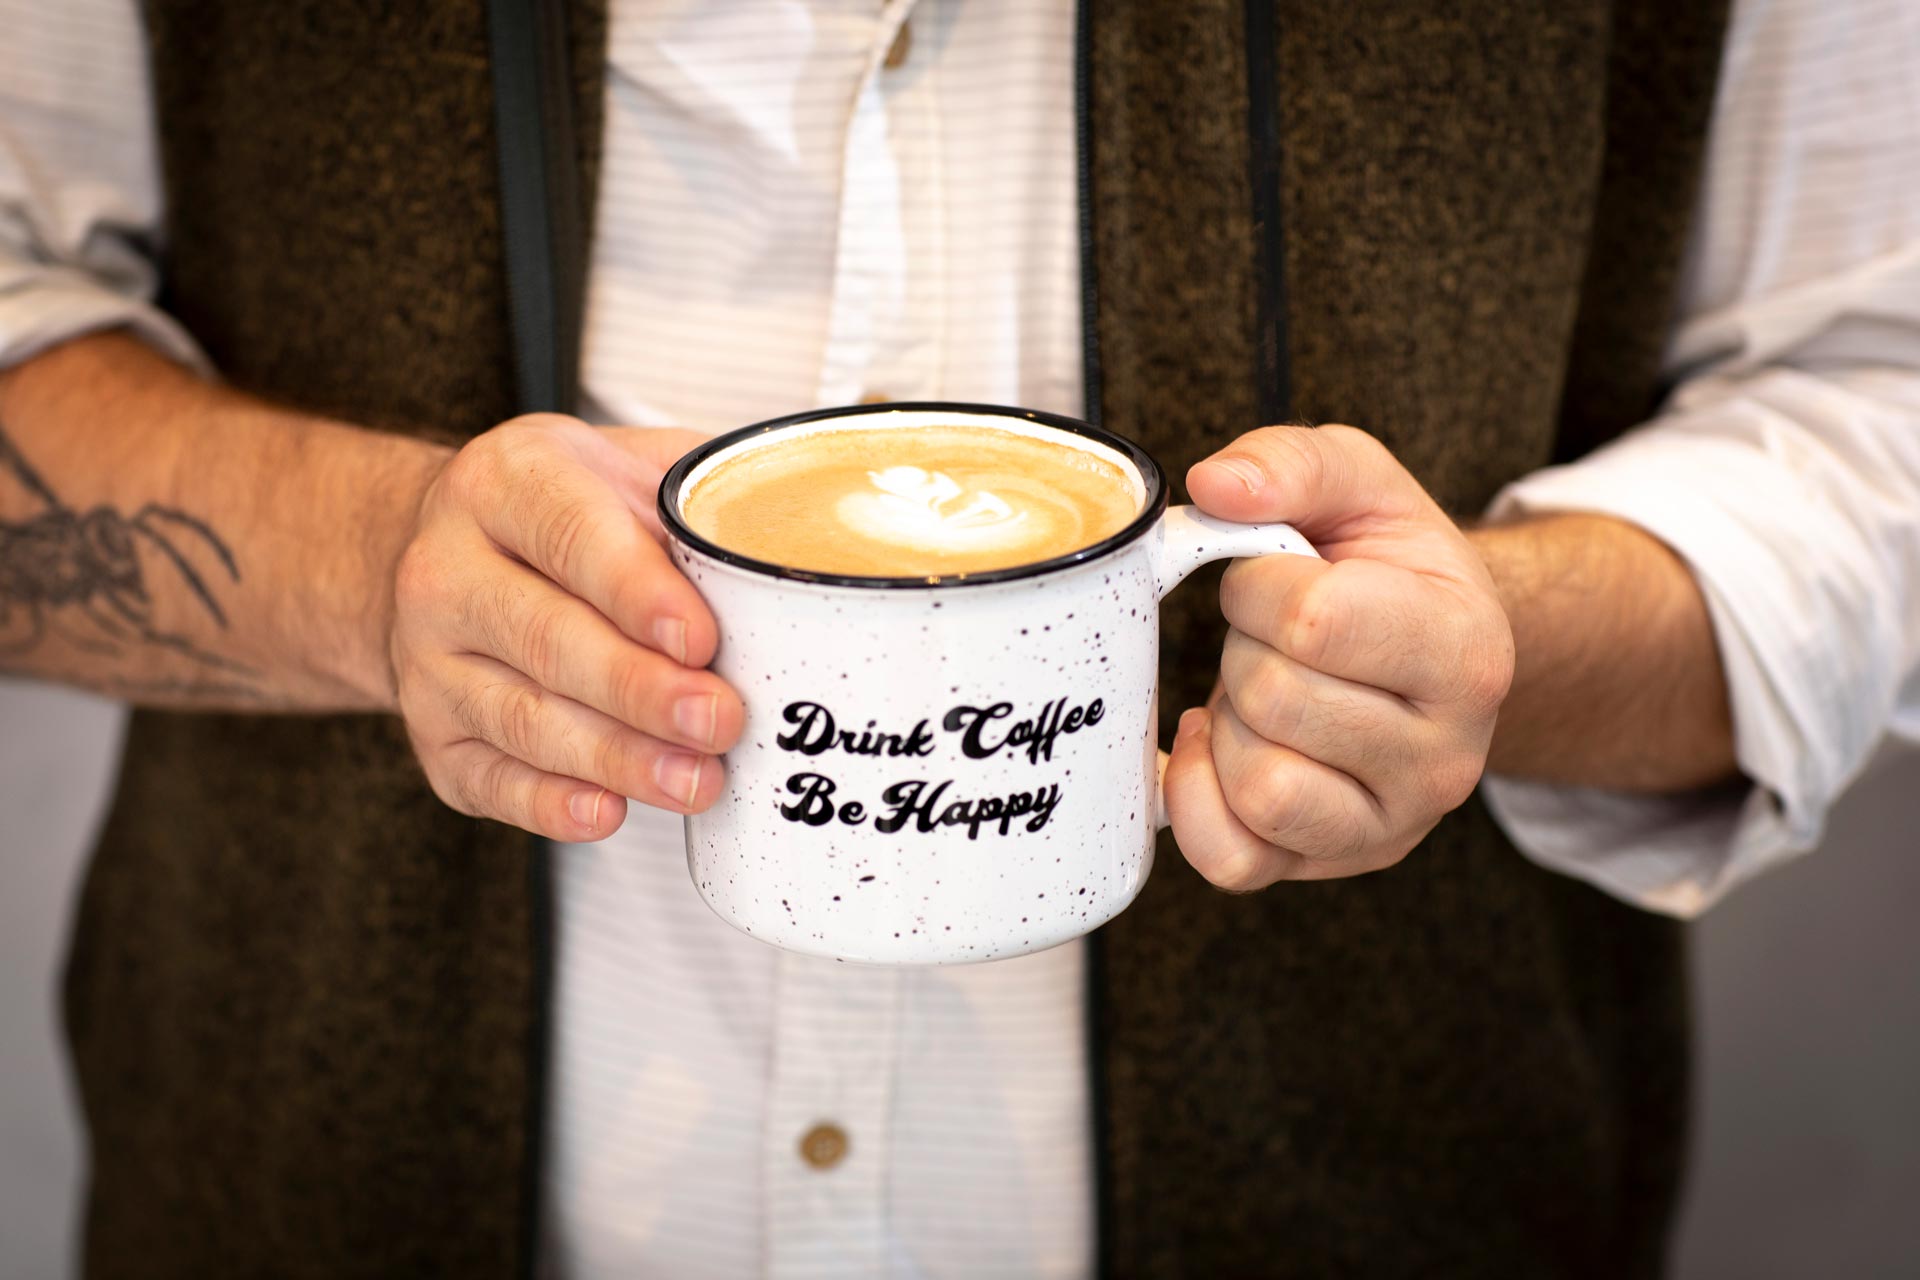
912 948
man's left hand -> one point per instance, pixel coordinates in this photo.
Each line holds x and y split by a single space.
1358 693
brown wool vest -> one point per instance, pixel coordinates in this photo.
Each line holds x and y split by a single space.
304 998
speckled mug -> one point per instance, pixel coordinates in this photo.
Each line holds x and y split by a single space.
943 769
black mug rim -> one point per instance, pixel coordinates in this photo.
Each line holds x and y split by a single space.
1151 477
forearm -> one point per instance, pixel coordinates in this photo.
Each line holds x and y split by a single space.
1617 679
173 542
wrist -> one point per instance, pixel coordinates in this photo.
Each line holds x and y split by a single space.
1617 676
392 507
341 506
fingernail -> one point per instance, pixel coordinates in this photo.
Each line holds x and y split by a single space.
671 635
1245 470
1192 721
696 715
585 808
679 776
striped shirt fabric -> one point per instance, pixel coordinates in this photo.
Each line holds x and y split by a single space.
807 204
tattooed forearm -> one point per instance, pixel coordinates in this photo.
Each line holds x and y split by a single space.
84 577
176 542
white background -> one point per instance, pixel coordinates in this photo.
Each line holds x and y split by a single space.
1807 1155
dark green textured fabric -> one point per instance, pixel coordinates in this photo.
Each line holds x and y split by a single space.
300 990
1466 1066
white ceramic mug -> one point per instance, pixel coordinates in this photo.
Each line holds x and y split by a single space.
937 770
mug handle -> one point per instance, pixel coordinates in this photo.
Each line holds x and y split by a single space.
1187 538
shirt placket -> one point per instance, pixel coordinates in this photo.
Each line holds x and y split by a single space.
828 1134
872 252
836 1049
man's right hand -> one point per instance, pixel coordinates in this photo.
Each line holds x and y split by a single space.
547 654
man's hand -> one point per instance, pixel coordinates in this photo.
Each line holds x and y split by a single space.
513 601
546 652
1357 694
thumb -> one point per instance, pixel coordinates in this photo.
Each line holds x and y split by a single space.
1317 479
655 448
638 460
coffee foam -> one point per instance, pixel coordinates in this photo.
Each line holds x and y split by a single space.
923 497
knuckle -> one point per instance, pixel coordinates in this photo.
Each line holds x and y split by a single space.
1251 593
1265 699
518 720
561 531
619 761
1236 871
408 696
1355 453
636 598
464 708
457 791
1235 589
1489 677
632 688
416 579
1238 658
494 615
471 473
1463 777
1312 619
1453 630
544 638
533 423
1267 800
627 599
493 788
1294 454
1451 779
1487 686
1354 439
518 441
458 796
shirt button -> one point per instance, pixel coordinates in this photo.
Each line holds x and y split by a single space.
902 46
875 397
824 1145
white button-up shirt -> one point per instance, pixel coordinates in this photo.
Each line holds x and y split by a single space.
787 221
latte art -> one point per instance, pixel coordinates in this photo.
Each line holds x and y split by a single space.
911 507
908 501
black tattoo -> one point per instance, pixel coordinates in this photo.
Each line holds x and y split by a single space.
80 574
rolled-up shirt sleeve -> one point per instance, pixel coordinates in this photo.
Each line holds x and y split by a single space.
79 194
1785 468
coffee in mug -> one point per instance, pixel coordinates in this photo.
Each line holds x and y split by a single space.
938 498
943 621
